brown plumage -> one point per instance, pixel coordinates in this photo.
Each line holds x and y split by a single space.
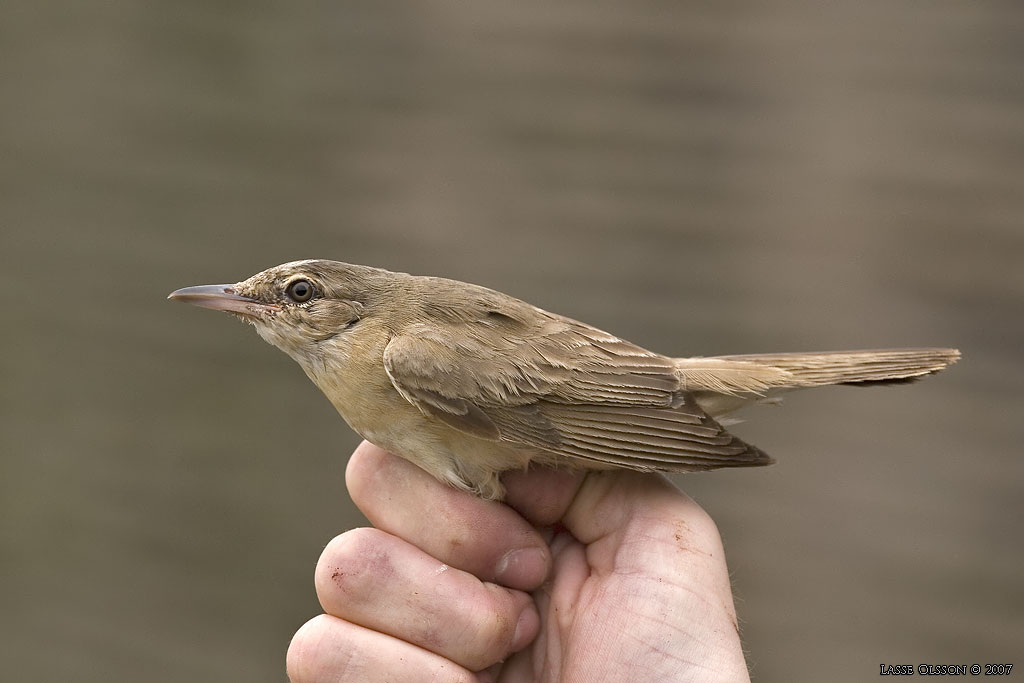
468 382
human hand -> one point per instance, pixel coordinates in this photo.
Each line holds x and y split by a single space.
627 577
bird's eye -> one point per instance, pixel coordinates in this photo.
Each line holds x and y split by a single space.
300 291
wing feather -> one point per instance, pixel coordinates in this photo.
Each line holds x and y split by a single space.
561 387
681 438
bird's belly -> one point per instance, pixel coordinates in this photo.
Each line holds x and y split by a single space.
372 407
394 425
459 459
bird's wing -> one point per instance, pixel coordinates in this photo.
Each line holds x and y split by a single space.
563 387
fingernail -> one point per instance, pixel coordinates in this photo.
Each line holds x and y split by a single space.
523 569
526 628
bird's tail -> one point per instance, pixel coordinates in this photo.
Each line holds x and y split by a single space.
724 383
883 366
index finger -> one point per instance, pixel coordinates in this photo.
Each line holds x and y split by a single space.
482 537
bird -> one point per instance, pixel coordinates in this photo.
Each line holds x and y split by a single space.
467 382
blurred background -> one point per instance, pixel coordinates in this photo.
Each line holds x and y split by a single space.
699 177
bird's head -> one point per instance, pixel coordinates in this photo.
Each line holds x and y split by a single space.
302 307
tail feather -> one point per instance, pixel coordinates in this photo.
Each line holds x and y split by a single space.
883 366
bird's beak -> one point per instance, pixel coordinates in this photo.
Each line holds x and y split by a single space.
224 298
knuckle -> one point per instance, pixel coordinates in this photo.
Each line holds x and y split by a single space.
363 470
702 523
353 563
306 659
493 628
689 526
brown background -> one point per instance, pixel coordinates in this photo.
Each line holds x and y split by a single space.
700 178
